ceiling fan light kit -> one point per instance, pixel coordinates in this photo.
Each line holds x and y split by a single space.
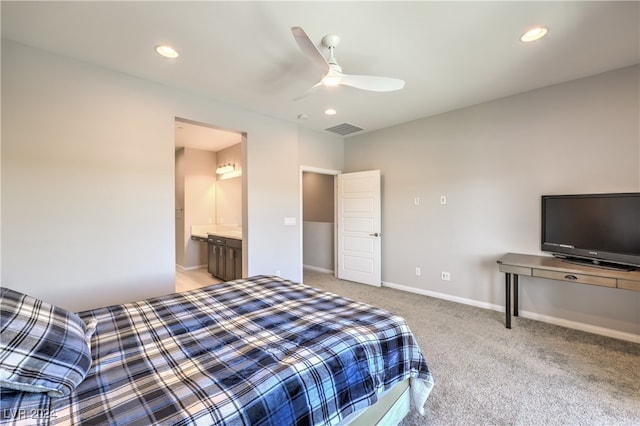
331 80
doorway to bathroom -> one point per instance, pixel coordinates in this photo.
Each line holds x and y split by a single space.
208 188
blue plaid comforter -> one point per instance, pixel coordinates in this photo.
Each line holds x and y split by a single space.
258 351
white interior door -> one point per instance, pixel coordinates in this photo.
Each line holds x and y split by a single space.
359 233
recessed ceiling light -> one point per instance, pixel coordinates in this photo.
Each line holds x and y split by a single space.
330 111
167 51
534 34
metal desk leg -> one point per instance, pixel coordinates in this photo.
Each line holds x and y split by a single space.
507 304
515 295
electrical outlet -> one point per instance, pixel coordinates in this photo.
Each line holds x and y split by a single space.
418 272
446 276
278 272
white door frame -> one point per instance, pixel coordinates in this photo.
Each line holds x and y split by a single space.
334 173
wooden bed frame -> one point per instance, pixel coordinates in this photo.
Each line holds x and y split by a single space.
390 409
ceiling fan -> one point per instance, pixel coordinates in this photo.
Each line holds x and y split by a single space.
332 72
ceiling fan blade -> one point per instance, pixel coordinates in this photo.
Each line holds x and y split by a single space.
372 83
310 49
308 91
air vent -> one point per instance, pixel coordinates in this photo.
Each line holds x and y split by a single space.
344 129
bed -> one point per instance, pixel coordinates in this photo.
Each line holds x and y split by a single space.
258 351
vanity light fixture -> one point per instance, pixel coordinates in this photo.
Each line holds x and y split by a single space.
534 34
167 52
225 168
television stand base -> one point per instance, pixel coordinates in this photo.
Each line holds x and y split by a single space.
596 263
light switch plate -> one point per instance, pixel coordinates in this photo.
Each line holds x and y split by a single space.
290 221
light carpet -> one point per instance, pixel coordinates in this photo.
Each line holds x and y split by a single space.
485 374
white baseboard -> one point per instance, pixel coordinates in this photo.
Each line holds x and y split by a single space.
189 268
622 335
602 331
317 269
444 296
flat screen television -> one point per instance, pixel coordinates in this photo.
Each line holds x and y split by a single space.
597 229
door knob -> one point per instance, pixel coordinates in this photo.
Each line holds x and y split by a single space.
375 234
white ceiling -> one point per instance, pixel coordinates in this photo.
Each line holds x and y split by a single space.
195 135
451 54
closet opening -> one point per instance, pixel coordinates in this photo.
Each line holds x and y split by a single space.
318 213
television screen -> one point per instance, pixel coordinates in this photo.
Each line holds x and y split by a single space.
596 227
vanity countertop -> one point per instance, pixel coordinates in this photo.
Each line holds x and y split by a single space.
226 231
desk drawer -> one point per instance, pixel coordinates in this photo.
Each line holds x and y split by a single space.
511 269
629 285
575 278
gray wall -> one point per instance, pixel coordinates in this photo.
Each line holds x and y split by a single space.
200 194
320 149
179 205
493 162
229 191
317 201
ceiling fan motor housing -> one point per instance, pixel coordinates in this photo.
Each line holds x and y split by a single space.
330 40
